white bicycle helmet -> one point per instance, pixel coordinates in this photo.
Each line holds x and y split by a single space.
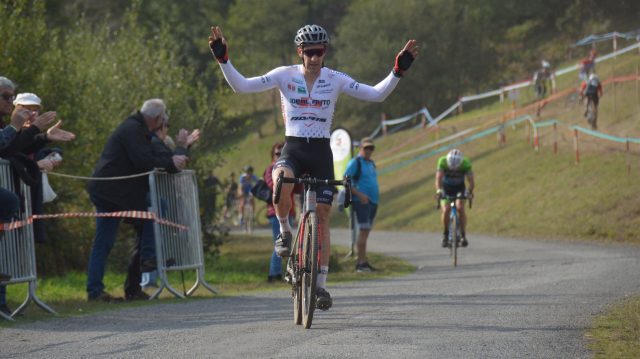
454 159
593 77
311 35
546 64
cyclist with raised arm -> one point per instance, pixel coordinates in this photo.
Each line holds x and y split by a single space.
308 94
451 172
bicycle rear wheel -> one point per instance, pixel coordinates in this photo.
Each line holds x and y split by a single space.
310 267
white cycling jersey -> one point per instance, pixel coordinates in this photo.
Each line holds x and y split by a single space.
308 113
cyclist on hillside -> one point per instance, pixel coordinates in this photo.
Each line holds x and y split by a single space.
592 90
308 93
587 65
247 181
451 172
540 79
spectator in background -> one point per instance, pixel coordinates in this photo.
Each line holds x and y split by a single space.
231 194
128 151
275 265
366 196
14 139
247 181
46 158
162 147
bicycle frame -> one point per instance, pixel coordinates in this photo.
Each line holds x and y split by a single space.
455 227
302 266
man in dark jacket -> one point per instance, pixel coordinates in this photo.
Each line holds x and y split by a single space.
127 152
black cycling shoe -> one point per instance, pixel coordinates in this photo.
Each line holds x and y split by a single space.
323 299
464 242
283 244
445 241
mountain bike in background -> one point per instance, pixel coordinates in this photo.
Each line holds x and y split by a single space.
302 267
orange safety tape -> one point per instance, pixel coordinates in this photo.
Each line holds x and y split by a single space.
121 214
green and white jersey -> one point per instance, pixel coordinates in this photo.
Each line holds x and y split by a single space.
454 177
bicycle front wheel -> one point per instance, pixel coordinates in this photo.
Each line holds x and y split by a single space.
309 268
454 234
296 290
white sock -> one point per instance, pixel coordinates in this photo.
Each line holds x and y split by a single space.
284 224
322 277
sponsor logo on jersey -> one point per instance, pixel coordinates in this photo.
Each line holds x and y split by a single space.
291 87
354 85
324 91
301 89
321 81
298 81
323 86
265 79
327 192
308 102
308 118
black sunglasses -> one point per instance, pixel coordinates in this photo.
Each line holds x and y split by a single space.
314 52
7 97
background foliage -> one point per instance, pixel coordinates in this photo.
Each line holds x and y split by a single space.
96 61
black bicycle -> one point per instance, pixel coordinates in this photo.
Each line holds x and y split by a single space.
455 227
302 267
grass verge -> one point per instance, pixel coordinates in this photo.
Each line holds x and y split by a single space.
616 333
241 268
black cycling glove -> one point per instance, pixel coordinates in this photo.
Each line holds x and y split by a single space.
403 62
219 51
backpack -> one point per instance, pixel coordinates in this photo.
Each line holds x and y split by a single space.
592 87
356 177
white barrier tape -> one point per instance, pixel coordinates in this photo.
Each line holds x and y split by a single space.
100 178
119 214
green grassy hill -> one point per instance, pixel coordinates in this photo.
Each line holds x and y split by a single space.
519 192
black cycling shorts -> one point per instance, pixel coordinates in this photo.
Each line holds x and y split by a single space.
311 156
454 190
595 98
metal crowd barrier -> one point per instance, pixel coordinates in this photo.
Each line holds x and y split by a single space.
174 198
17 248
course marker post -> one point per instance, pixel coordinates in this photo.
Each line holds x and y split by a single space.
575 145
555 138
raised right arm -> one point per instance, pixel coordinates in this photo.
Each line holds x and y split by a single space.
241 84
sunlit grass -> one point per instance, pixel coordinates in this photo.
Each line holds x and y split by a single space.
616 333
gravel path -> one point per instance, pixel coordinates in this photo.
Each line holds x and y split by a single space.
506 299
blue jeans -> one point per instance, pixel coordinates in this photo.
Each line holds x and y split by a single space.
9 205
106 231
275 266
148 241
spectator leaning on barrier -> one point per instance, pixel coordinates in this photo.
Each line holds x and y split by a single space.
128 152
45 158
160 149
15 140
366 196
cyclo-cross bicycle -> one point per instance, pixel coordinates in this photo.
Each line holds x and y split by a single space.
592 115
302 267
455 227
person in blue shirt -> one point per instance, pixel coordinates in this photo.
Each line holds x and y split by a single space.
247 181
366 196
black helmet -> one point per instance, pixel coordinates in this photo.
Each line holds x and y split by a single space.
311 35
248 169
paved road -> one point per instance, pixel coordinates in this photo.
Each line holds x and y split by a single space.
507 299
